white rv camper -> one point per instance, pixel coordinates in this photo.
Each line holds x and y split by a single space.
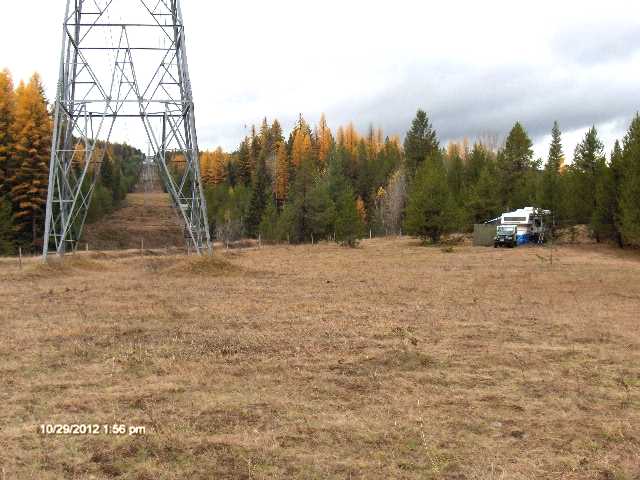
530 224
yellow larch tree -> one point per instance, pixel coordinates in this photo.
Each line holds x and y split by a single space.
324 140
206 167
351 138
32 148
302 148
218 168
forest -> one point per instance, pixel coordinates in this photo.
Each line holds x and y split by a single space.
316 184
25 150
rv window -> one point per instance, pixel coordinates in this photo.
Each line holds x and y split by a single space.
515 219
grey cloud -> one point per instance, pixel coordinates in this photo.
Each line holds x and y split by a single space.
463 101
597 43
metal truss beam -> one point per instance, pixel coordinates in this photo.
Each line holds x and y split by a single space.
94 92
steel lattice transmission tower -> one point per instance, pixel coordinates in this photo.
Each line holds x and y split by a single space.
122 59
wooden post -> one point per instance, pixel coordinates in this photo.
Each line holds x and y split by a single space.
312 239
370 234
87 246
20 257
259 240
142 246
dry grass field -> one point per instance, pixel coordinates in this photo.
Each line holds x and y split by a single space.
146 220
391 360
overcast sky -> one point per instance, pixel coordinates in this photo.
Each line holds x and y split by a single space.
475 67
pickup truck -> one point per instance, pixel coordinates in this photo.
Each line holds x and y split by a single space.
506 236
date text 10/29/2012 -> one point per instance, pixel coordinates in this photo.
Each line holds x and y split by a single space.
92 429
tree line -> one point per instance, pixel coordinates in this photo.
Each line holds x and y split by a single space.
25 152
317 185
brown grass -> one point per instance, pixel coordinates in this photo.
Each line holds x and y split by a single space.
387 361
146 219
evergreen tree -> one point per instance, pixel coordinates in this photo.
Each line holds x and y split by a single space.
421 142
455 177
276 133
617 176
430 212
244 170
514 161
269 224
6 228
296 214
322 211
551 176
483 203
630 188
349 227
282 174
107 176
588 162
477 160
603 216
260 197
32 134
7 113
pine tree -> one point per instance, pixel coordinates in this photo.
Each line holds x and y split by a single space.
244 163
32 134
551 177
295 218
107 174
430 212
6 228
282 174
476 162
630 188
322 211
514 161
276 132
420 143
603 217
483 203
617 176
7 113
260 197
456 176
349 227
588 162
269 230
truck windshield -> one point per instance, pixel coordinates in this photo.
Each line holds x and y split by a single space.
506 230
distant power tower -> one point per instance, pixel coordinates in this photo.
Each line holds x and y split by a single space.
122 59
